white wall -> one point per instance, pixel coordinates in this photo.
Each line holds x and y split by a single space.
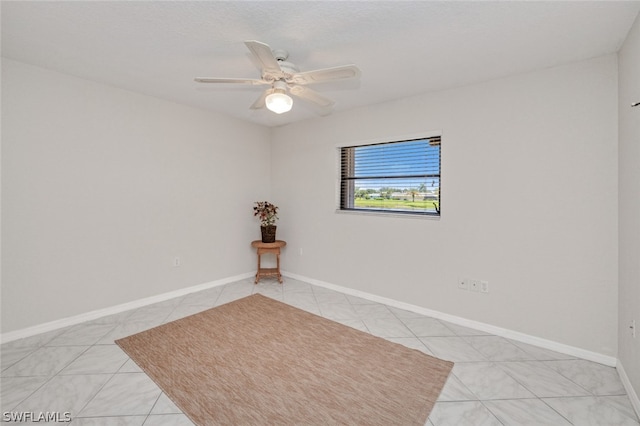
103 187
629 207
529 199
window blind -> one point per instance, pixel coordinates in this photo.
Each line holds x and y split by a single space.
398 177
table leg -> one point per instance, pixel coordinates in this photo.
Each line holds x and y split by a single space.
258 271
278 264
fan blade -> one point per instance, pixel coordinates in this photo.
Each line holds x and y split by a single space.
262 52
326 74
251 81
259 103
311 96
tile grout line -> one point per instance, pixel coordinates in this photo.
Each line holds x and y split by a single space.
285 290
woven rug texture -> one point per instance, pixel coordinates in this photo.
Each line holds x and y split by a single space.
257 361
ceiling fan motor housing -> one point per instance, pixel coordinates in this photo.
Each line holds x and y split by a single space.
288 68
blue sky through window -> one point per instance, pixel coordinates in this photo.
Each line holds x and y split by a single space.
410 165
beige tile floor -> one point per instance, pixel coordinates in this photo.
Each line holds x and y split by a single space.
495 381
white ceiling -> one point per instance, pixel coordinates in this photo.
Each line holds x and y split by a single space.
402 47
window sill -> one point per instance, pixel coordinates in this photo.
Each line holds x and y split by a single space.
386 214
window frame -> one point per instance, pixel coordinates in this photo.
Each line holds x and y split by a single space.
383 212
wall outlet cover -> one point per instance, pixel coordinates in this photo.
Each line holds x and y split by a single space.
463 284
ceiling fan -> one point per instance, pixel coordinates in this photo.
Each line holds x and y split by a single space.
284 77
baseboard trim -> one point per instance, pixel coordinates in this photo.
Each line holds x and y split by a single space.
488 328
631 392
476 325
99 313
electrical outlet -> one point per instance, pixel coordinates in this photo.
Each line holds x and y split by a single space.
176 262
474 285
633 328
300 251
463 284
484 286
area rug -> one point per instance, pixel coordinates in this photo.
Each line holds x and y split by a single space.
259 361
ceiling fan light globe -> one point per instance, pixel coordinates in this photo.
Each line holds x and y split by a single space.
279 102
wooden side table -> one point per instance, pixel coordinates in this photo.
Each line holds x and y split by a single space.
265 248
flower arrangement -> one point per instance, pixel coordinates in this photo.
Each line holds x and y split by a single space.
266 212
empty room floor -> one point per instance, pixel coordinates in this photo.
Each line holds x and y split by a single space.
495 381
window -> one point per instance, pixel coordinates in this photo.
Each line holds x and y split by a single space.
392 177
